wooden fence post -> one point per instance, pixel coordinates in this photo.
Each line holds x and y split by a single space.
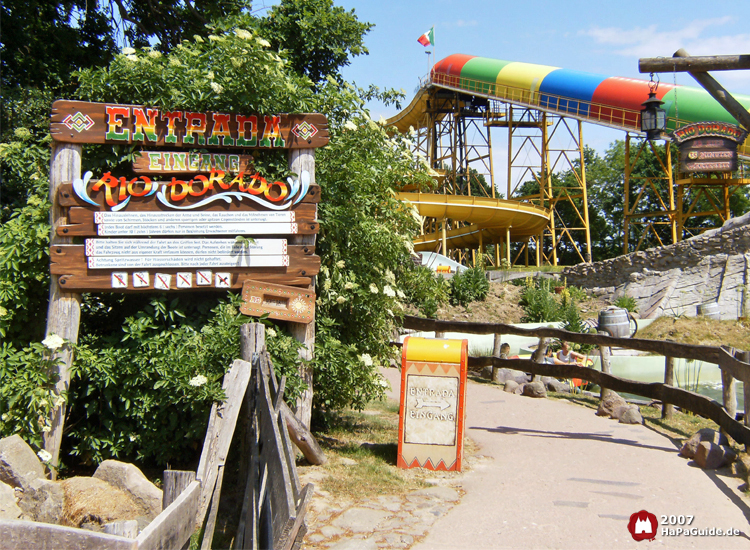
539 353
175 481
667 408
64 309
745 357
496 353
604 352
301 160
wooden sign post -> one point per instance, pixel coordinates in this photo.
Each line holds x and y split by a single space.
183 219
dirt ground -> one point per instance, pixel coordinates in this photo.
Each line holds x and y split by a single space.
502 306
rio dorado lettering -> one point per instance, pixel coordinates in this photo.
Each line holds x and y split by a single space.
86 122
709 129
118 192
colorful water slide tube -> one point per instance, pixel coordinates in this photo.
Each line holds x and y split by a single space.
607 101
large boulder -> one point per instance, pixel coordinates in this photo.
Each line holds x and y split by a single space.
710 456
8 506
19 465
555 385
631 416
609 403
43 501
93 502
511 386
535 389
690 447
130 479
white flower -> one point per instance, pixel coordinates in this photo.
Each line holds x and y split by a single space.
384 383
373 288
400 294
217 88
389 276
198 381
349 125
366 359
43 403
132 57
388 291
340 264
44 456
53 342
59 401
327 284
174 61
128 51
47 429
4 417
271 332
133 437
155 54
262 42
349 285
242 33
211 75
340 300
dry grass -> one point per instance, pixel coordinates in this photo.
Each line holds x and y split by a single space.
699 330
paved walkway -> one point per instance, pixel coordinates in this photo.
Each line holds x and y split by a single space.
550 474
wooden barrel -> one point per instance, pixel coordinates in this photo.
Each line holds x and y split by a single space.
617 322
710 310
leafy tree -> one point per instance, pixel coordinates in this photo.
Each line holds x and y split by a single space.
318 37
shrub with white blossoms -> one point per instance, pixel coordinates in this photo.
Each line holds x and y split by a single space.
198 381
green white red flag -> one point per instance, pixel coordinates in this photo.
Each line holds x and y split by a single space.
428 38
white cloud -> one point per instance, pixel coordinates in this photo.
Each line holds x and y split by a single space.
652 42
459 23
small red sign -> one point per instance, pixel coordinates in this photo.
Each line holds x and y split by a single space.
642 526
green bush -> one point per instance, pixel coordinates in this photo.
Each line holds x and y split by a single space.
539 306
424 289
146 392
627 302
469 286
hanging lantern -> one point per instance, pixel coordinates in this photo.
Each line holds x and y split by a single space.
653 117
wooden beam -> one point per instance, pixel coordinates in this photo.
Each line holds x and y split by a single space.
174 526
699 64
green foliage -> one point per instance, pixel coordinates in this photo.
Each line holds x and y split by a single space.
27 391
24 272
469 286
539 305
317 37
424 289
147 391
627 302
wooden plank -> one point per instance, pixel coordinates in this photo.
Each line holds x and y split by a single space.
23 535
302 212
174 526
194 162
175 481
66 197
280 490
87 122
98 283
279 301
124 528
696 63
208 533
306 227
220 431
299 518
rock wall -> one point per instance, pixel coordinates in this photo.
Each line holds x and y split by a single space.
676 279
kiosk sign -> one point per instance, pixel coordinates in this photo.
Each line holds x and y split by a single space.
433 391
709 146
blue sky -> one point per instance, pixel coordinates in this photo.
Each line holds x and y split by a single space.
599 37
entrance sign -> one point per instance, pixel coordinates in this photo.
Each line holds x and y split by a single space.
85 122
709 146
280 302
195 217
433 395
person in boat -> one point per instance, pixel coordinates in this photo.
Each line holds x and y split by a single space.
567 355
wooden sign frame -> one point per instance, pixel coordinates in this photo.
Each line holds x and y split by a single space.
281 302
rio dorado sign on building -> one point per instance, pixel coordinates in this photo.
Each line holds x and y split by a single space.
708 146
147 232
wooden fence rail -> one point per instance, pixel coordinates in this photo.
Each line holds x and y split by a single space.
732 367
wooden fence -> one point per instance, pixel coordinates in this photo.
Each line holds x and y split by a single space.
274 505
734 365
